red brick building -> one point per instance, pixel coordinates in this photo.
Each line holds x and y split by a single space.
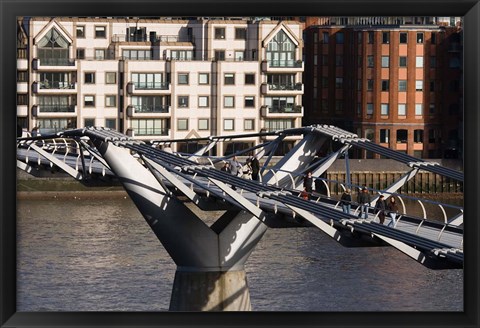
399 85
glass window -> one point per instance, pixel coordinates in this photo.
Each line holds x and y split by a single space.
433 39
249 124
370 37
182 78
402 61
229 78
384 135
80 53
249 78
419 61
203 78
145 127
89 122
432 86
182 101
110 101
385 61
418 109
369 85
325 37
418 136
384 109
240 33
402 136
403 37
402 109
203 123
370 61
219 33
240 55
419 37
432 108
418 85
110 77
385 85
181 54
386 37
182 124
433 61
339 60
228 101
89 101
339 38
369 109
111 123
219 54
80 31
249 101
100 32
281 51
339 82
203 101
228 124
89 78
402 85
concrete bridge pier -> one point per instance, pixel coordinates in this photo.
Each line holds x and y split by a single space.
210 261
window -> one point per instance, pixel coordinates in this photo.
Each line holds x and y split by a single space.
359 85
89 122
359 37
325 37
403 37
80 31
182 124
369 85
279 124
249 78
219 54
80 53
369 109
386 37
229 78
111 123
151 104
431 136
418 109
370 37
181 54
384 135
240 55
418 85
339 37
338 106
324 82
182 78
110 101
182 101
53 49
385 85
432 86
419 37
249 101
325 60
229 124
100 32
418 136
148 81
89 101
402 61
22 76
203 123
203 101
99 54
203 78
370 61
419 62
433 39
22 99
89 78
110 77
140 54
339 60
402 109
145 127
384 109
385 61
281 51
433 61
432 108
402 136
402 85
339 82
454 62
229 101
240 33
219 33
248 124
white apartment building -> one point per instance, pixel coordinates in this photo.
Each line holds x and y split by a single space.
162 79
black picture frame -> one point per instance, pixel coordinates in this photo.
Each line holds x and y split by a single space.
10 9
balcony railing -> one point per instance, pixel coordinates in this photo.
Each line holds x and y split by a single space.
285 63
164 109
56 62
151 85
56 85
285 86
151 132
56 108
295 109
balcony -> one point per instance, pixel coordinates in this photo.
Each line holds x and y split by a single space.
46 87
54 110
145 111
148 88
276 89
282 65
291 111
54 64
148 133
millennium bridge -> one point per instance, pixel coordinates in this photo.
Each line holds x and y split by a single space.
210 274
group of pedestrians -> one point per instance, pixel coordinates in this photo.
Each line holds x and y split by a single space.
250 170
382 207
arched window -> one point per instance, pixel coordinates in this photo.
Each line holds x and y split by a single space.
53 49
281 51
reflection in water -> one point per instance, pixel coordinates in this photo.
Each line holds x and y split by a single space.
100 255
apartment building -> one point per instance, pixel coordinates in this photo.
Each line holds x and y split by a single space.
161 78
394 80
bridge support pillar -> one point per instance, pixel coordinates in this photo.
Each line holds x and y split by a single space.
210 291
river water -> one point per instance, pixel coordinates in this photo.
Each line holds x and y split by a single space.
100 255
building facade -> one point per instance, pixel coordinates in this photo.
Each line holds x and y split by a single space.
161 79
394 80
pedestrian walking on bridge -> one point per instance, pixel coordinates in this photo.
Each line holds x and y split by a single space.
364 202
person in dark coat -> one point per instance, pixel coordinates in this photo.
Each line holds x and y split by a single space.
255 168
392 211
346 201
364 202
308 183
380 207
226 167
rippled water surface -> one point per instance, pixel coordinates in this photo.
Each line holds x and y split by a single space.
100 255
